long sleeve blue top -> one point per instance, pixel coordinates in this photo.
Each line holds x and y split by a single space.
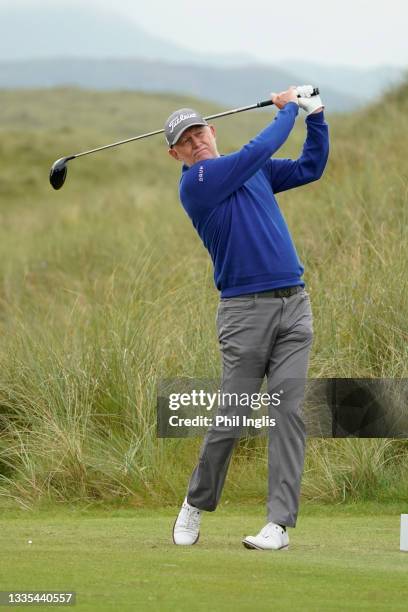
231 201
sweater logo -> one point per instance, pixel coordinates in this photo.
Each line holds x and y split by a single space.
201 174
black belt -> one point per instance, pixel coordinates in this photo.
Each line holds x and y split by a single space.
282 292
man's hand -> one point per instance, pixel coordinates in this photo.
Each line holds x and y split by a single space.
309 103
280 100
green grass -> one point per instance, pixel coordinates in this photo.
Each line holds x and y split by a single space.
105 288
339 559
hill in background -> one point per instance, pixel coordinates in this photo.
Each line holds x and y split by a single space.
65 30
64 45
233 87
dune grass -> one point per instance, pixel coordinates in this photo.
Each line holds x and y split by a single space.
105 288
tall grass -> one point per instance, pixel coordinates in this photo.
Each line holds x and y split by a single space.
105 289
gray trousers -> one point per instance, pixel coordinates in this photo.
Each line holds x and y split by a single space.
260 336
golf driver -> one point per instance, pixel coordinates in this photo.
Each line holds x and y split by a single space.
58 172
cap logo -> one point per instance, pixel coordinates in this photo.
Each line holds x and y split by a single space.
182 117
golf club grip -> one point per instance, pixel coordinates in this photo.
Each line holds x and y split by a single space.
269 102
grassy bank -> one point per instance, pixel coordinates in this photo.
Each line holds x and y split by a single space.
105 288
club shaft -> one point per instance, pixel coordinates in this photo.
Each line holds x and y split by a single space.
121 142
224 114
116 144
237 110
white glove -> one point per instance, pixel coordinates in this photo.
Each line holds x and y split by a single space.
307 101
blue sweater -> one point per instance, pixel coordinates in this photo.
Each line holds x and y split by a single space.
231 202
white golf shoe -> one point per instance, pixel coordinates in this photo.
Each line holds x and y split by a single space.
271 537
186 530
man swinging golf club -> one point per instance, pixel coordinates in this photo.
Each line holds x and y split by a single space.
264 318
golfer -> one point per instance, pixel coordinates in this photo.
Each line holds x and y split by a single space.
264 318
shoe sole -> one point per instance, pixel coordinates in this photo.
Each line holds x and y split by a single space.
192 543
252 546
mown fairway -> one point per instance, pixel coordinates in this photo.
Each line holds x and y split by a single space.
124 560
105 288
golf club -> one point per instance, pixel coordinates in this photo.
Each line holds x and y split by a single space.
58 172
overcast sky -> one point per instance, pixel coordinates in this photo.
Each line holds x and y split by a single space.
353 32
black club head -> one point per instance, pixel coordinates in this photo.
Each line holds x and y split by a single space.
58 172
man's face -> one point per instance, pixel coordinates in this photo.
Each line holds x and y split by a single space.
195 144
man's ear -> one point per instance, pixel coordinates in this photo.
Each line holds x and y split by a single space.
173 153
212 128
